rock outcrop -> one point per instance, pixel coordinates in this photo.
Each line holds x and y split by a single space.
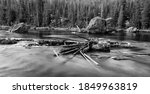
132 29
96 25
20 28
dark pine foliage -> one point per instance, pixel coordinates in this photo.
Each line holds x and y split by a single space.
65 13
146 15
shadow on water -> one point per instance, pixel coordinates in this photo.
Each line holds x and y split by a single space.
136 49
141 37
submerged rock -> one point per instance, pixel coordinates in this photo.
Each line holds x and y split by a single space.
7 41
119 58
102 46
50 42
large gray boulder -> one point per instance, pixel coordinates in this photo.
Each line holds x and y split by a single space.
96 25
20 28
131 30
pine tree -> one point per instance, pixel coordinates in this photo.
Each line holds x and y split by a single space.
137 15
40 10
48 17
12 17
4 18
4 13
8 12
115 13
146 15
23 17
122 15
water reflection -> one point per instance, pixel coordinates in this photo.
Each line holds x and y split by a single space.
142 37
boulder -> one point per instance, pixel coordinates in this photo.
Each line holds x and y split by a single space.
132 29
20 28
96 25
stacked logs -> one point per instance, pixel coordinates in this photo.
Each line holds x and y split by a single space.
74 48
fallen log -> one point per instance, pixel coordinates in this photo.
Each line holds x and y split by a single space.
84 56
88 57
73 49
56 54
69 51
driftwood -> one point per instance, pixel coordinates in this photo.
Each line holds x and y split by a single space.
88 58
84 56
71 49
71 45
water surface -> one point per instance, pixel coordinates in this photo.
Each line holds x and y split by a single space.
17 60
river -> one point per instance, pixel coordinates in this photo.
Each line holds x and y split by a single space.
140 37
39 61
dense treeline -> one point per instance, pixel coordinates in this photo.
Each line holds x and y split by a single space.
75 12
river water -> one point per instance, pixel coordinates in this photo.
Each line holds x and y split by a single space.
39 61
140 37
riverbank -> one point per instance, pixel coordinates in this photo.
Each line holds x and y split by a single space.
24 28
144 30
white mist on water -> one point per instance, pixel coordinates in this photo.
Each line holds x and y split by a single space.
40 61
17 60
